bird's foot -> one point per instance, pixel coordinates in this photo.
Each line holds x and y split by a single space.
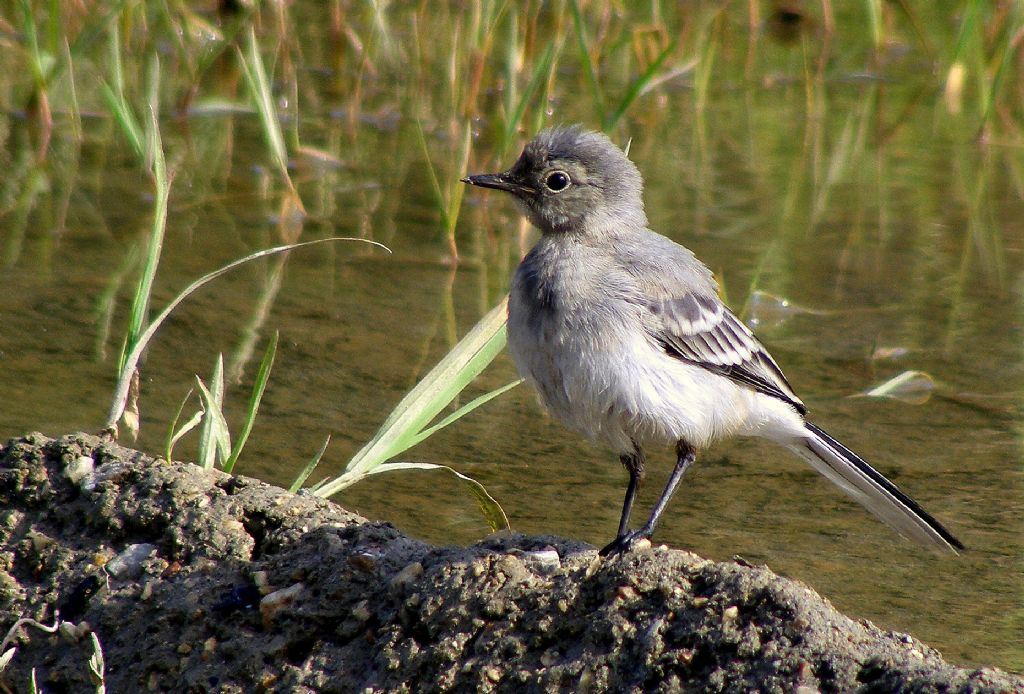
626 543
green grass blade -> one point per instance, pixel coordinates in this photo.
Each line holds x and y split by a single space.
510 67
38 60
434 392
449 199
76 110
135 354
214 437
491 509
876 22
704 69
769 251
463 411
484 340
174 434
262 376
596 93
140 303
154 147
429 397
259 84
637 88
124 117
115 98
968 30
456 189
435 183
53 28
1008 52
195 420
541 72
97 666
308 470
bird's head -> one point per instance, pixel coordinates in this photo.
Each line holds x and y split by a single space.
572 180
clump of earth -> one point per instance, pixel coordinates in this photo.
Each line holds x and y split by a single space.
189 580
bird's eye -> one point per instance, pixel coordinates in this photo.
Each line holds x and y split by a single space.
557 181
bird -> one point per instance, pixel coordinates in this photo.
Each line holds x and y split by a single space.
624 336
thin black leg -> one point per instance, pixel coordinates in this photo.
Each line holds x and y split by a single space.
634 464
684 459
685 455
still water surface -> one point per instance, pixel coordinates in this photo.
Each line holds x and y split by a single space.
908 246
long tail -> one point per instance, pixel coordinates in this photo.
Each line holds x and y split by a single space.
877 494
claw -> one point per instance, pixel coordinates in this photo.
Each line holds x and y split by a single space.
625 543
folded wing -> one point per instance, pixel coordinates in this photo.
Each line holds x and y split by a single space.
699 328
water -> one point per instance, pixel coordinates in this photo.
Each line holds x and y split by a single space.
882 228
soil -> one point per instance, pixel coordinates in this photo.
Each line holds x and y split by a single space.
197 581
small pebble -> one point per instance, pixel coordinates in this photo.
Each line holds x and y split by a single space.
105 473
364 561
128 564
626 593
74 632
407 575
545 561
272 603
361 612
79 468
40 541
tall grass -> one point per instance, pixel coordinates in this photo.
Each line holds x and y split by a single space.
143 137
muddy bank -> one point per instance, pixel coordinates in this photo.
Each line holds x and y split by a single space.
197 581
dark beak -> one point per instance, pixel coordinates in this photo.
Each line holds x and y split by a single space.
499 181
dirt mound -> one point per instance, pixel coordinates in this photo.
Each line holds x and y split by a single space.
197 581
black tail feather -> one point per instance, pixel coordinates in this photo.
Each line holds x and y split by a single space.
876 478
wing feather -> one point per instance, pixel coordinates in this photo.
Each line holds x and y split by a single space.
700 329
